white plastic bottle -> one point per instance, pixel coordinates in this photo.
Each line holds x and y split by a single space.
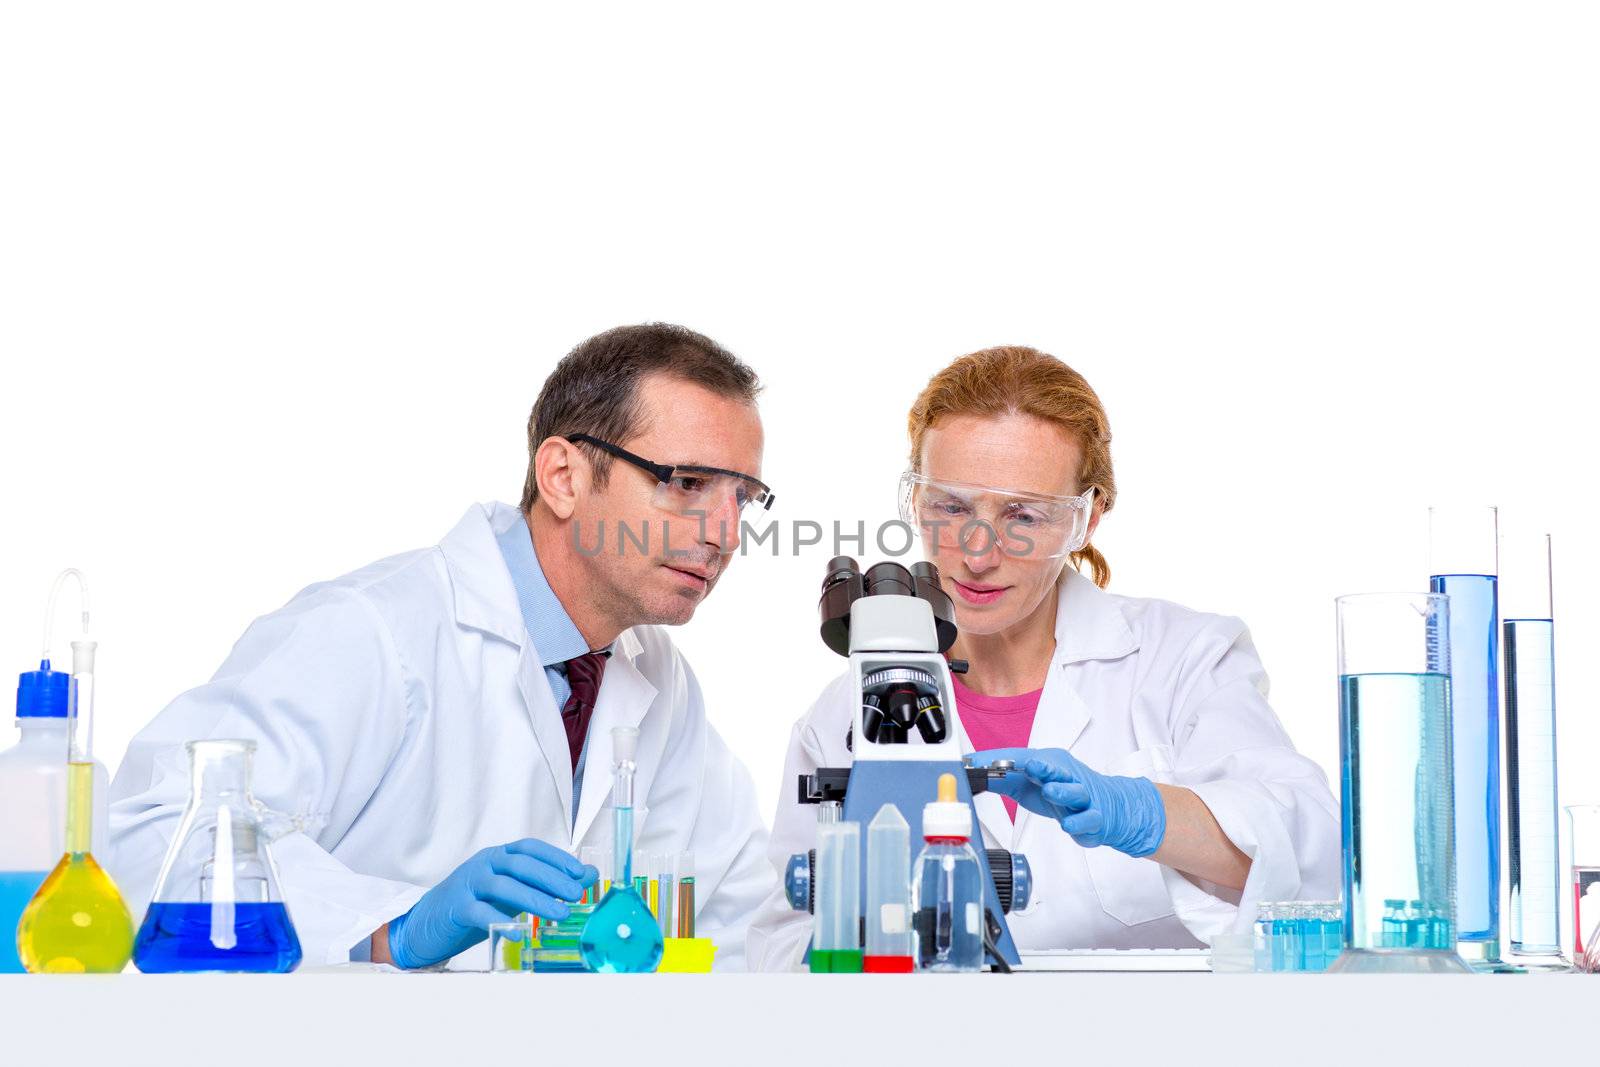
33 800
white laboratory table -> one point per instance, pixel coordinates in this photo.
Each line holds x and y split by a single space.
817 1020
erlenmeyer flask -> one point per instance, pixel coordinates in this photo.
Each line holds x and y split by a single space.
217 905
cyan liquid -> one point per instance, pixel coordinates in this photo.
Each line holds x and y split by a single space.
1397 808
1475 714
1532 818
16 889
177 938
621 936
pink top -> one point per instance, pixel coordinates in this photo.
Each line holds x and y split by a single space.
996 722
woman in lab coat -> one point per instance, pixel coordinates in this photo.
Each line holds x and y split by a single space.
1158 798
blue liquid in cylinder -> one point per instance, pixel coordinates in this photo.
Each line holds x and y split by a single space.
1398 811
1532 812
16 889
1475 735
176 938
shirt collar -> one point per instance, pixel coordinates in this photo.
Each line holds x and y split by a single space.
555 636
1090 624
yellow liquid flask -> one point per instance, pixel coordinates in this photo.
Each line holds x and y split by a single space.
77 923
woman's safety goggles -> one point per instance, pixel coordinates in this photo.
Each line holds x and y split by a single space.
978 518
689 489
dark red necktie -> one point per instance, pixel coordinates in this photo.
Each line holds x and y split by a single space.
583 674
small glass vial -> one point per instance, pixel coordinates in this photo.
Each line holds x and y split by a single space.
947 887
1266 915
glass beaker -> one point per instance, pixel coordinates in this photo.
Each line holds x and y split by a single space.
511 947
1464 564
1584 822
1397 798
217 905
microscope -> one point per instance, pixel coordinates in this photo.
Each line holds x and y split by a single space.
895 624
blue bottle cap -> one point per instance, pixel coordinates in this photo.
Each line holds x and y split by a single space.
43 693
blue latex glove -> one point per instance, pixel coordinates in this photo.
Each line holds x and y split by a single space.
494 886
1096 809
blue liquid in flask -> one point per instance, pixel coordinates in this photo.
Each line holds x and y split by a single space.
176 938
622 937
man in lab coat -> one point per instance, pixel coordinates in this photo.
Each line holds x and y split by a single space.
442 719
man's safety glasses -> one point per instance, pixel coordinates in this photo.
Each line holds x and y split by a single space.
689 489
978 518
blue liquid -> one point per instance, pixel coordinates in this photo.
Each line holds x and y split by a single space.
177 937
1475 714
1398 812
16 889
1532 817
622 937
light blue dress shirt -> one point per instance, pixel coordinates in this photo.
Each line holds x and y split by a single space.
551 629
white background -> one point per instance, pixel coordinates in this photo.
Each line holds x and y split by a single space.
279 284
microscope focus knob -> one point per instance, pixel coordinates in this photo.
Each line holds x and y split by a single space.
798 885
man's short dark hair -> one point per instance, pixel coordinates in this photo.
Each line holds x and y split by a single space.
595 387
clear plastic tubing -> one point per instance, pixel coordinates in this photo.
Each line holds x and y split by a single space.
1533 815
888 893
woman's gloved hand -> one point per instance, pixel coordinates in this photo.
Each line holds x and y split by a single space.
1126 814
494 886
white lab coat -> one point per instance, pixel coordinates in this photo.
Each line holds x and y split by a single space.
1137 687
405 705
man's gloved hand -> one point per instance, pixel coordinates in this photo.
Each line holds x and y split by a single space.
494 886
1127 814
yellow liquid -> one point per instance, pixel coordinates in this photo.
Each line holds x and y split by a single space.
77 922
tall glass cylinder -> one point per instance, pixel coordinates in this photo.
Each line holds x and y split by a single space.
1463 554
1397 776
1532 810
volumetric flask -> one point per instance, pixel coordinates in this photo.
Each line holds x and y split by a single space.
217 905
1396 772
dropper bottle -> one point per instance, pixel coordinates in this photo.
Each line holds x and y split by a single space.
947 887
77 922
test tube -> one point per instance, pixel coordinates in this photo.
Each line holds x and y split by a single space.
888 893
595 857
684 905
836 944
667 882
646 870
